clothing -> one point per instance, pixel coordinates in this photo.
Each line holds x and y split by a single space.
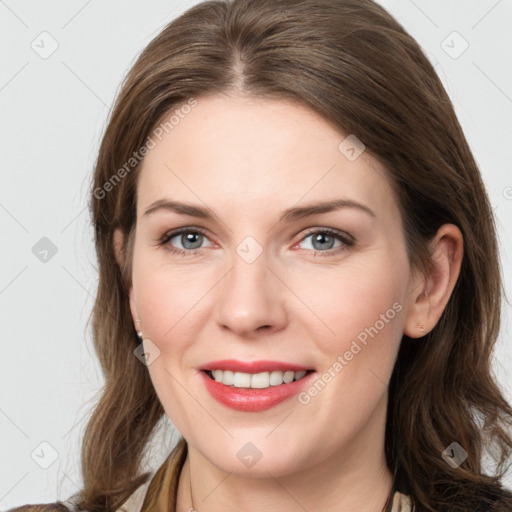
159 492
399 503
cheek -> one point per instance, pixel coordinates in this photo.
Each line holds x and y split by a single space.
358 339
168 301
357 303
362 322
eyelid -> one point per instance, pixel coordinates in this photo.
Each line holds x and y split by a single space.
324 229
178 231
347 241
184 229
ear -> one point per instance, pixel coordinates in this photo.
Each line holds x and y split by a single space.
429 295
118 242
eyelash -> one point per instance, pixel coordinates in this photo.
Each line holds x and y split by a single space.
345 239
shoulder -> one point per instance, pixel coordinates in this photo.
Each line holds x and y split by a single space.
46 507
132 504
503 504
501 501
485 499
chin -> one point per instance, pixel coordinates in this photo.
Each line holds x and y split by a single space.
251 461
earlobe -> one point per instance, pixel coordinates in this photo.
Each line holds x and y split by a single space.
430 294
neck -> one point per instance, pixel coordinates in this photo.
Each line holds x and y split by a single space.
353 478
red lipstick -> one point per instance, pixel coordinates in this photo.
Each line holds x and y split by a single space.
253 399
253 366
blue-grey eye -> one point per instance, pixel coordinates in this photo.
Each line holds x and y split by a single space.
324 240
190 239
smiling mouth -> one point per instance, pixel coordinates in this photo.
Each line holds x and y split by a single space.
260 380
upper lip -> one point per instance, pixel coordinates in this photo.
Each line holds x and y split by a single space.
253 366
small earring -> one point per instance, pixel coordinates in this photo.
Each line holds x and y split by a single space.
420 326
139 332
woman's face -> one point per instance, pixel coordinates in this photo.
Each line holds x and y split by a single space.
259 276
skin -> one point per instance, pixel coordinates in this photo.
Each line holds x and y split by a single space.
248 160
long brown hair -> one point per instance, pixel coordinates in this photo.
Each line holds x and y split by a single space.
355 65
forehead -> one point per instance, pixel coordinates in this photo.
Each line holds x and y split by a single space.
248 152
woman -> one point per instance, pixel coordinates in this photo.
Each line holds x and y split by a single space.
256 132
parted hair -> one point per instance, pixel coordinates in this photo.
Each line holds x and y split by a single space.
355 65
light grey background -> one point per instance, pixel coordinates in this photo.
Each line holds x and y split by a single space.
53 115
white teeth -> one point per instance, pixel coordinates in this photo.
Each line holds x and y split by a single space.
242 380
256 380
276 378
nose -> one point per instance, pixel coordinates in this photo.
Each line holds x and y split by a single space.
251 298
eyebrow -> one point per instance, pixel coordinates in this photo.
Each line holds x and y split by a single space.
289 215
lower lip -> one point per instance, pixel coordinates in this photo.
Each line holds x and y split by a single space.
252 399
